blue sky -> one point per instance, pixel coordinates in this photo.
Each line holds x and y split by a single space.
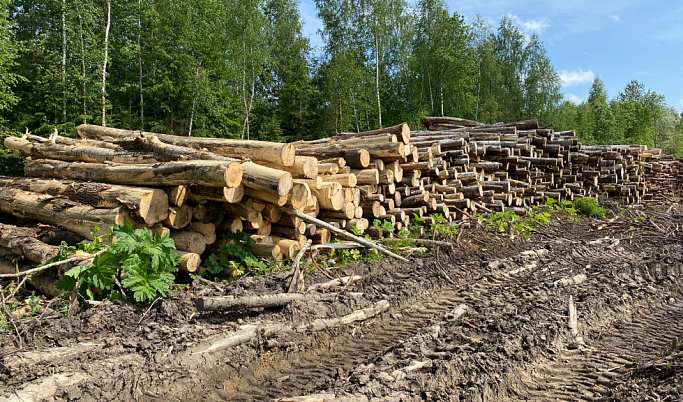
615 40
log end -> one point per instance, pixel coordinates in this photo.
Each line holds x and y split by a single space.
288 152
233 175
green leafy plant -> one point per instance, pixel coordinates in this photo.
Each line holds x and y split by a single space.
234 258
590 208
144 260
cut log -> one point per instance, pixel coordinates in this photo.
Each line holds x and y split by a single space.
264 178
204 173
70 215
189 262
218 194
189 241
265 250
179 195
71 153
178 217
24 242
255 150
148 203
304 167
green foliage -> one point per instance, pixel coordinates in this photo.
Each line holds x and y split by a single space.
589 207
146 259
234 258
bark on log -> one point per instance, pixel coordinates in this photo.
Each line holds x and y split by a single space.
148 203
24 242
204 173
70 215
71 153
227 303
254 150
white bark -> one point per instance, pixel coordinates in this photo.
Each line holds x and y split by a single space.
104 65
63 60
142 100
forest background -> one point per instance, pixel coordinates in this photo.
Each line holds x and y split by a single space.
244 69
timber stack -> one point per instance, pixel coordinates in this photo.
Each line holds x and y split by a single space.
198 189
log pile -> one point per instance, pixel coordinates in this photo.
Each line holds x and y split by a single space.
197 189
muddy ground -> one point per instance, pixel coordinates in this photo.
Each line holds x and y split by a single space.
488 319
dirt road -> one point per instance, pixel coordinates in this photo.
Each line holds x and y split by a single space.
575 313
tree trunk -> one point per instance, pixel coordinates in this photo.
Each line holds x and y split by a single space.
150 204
203 173
63 61
142 100
256 151
104 65
78 218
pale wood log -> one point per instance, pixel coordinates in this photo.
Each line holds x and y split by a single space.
316 183
366 176
150 204
70 215
322 236
179 195
206 173
288 247
272 213
255 150
341 162
456 121
400 130
202 194
244 213
329 168
189 262
303 167
259 177
346 180
267 196
265 250
189 241
178 217
355 157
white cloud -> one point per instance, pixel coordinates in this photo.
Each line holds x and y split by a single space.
530 27
576 77
534 26
574 99
615 17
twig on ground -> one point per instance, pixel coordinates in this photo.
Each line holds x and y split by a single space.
297 282
77 257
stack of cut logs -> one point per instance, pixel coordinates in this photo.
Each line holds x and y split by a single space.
197 189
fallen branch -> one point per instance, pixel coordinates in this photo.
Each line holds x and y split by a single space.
74 258
251 331
574 323
336 282
267 301
297 281
45 389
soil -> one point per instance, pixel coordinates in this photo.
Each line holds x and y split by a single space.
488 319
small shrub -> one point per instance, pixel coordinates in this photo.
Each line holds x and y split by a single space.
590 208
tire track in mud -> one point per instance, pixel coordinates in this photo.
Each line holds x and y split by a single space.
539 274
594 372
299 373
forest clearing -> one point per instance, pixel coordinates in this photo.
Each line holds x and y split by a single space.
234 269
204 200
